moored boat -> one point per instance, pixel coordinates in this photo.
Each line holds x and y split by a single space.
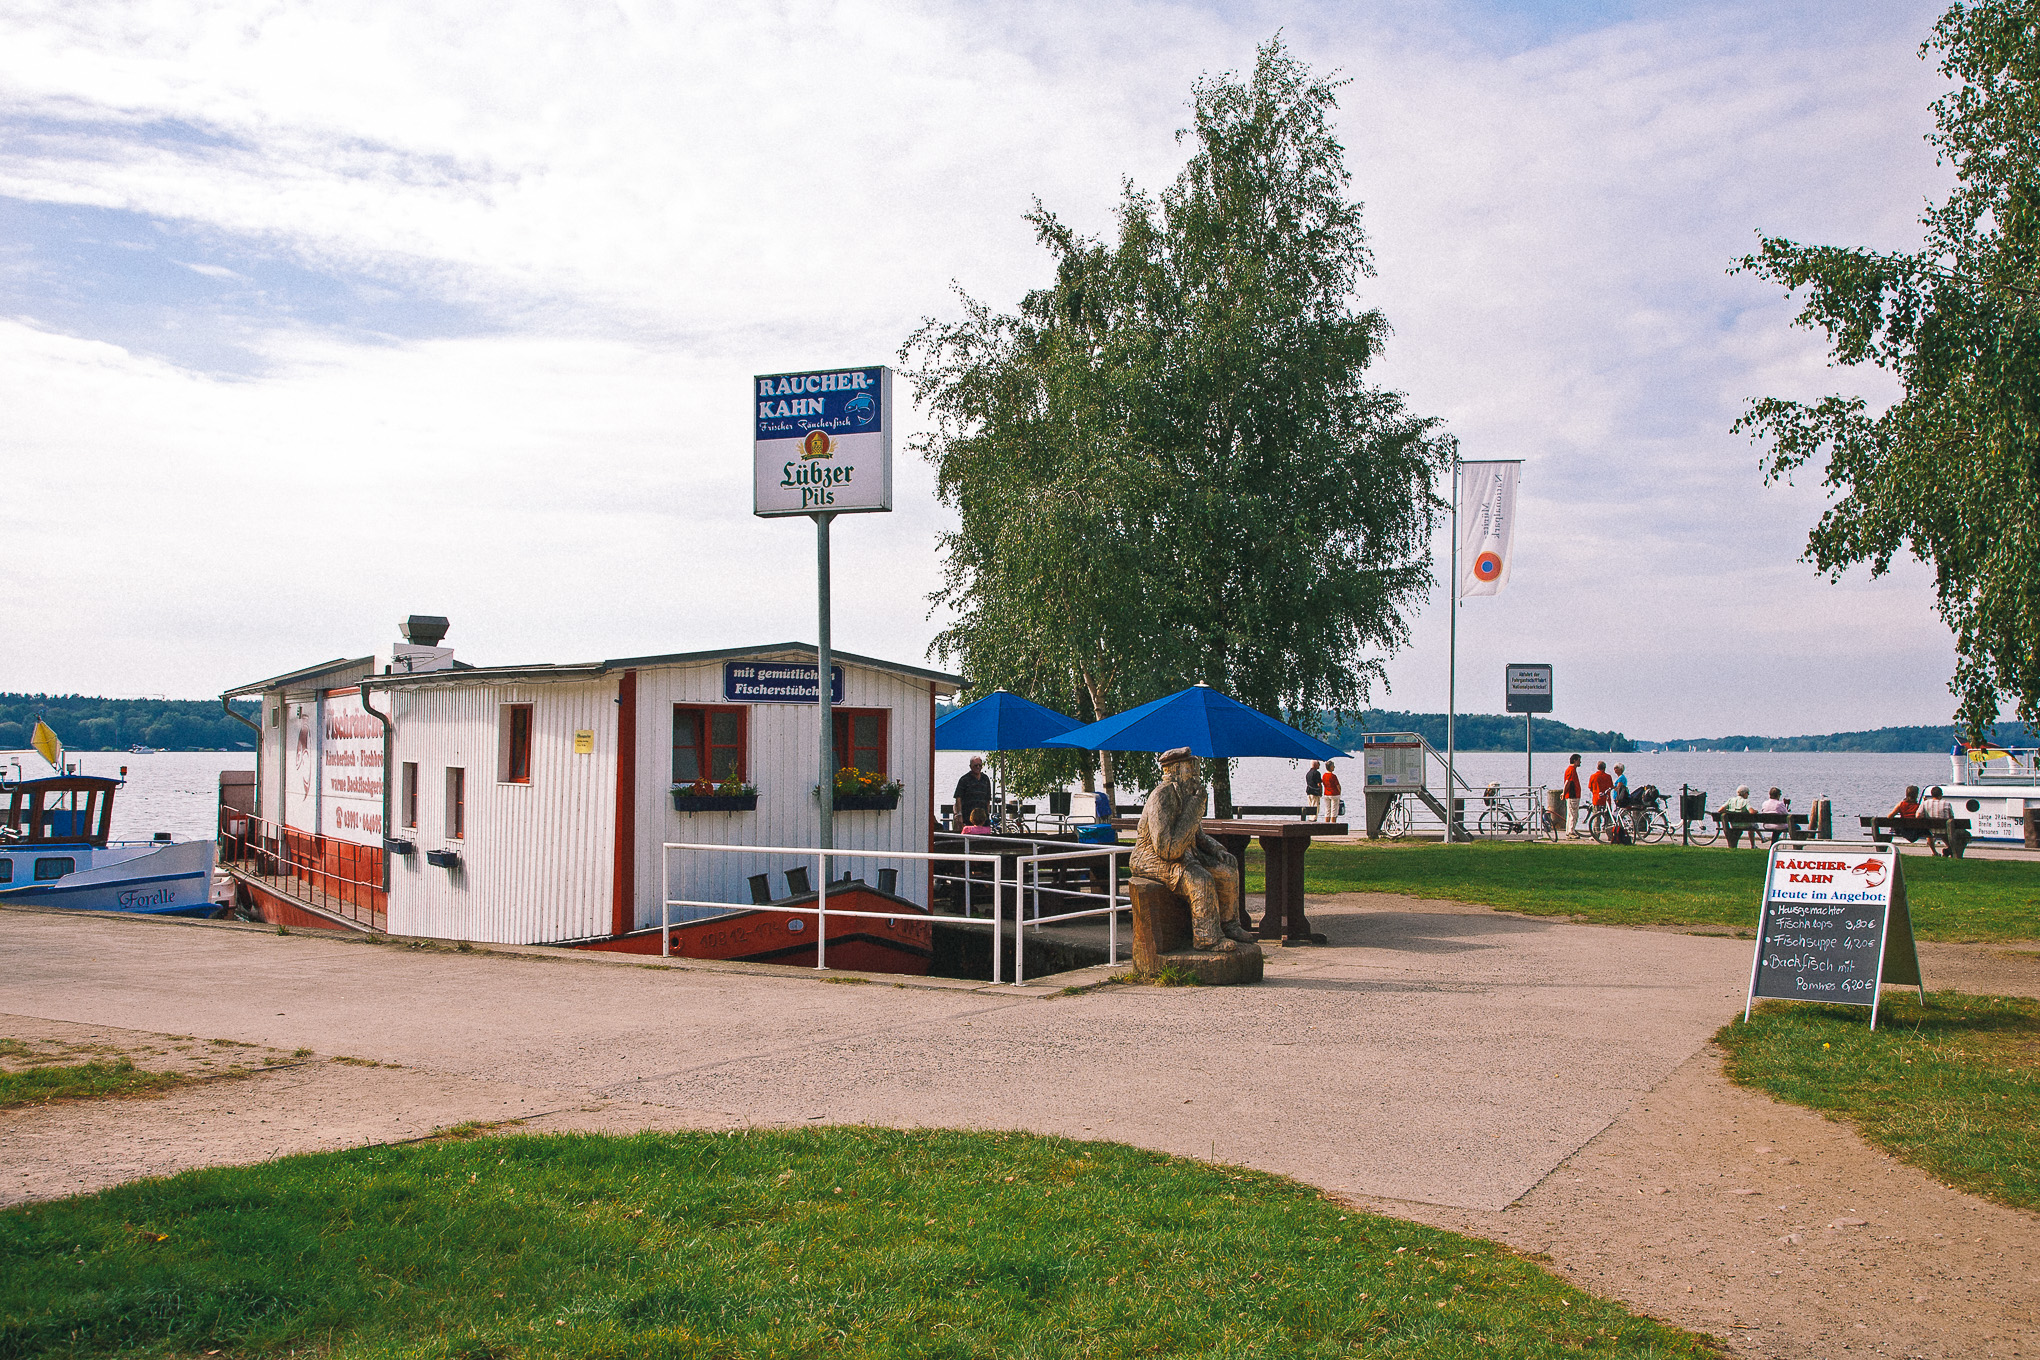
55 851
1996 787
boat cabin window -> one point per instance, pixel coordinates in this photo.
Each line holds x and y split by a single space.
64 808
709 743
6 871
48 867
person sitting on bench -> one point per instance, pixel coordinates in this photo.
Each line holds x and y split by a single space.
1951 842
1738 804
1908 806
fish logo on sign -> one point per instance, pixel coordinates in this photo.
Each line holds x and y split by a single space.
861 408
1872 871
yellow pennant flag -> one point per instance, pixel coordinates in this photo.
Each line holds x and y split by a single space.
46 744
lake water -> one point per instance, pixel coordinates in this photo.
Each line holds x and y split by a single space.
177 791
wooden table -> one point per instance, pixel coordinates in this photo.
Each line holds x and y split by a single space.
1282 845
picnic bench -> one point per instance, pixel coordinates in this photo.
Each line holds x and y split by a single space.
1780 824
1944 835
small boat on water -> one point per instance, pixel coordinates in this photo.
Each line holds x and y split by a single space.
140 750
1996 787
55 852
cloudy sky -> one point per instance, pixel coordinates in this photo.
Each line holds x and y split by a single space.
316 315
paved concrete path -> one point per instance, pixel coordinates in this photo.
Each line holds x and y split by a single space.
1445 1057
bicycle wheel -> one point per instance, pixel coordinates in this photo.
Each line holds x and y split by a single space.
1702 833
1597 823
1656 826
1395 824
1496 822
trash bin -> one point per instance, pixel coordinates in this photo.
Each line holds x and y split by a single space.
2033 826
1693 805
1554 807
1059 803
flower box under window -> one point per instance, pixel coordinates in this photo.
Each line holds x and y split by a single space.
867 802
714 802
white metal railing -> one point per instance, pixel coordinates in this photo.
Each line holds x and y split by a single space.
821 859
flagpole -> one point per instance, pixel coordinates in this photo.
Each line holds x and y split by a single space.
1452 663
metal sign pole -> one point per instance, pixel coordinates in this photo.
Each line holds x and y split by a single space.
1452 664
825 788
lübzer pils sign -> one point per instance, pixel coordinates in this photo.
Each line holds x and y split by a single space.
823 442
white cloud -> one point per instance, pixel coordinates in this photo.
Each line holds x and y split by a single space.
652 201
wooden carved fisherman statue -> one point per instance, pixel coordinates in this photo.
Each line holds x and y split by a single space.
1173 850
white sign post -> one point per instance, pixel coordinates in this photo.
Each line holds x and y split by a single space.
1526 689
822 447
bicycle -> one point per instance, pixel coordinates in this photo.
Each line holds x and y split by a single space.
1395 822
1499 817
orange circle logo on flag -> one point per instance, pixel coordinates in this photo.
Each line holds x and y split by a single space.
817 445
1488 566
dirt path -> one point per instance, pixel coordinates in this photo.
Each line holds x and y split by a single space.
1707 1205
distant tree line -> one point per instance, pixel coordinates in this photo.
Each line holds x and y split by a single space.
83 723
1473 731
1895 739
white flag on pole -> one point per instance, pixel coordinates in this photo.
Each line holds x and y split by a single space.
1487 524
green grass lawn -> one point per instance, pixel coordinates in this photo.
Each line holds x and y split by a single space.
77 1081
841 1241
1950 899
1952 1087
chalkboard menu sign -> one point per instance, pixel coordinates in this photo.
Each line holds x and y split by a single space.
1834 926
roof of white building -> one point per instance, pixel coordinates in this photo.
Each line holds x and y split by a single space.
350 672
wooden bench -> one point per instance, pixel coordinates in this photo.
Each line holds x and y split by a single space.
1944 835
1780 824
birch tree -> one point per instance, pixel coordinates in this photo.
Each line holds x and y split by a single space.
1168 466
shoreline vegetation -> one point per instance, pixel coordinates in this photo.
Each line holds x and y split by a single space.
85 723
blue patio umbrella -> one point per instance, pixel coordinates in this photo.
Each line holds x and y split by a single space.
1204 720
1001 721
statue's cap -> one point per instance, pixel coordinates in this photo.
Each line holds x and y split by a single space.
1168 758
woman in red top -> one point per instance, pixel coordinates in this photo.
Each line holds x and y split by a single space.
1908 806
1330 799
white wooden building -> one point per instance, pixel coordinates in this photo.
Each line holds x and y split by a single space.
530 804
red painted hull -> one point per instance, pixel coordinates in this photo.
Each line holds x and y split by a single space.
899 943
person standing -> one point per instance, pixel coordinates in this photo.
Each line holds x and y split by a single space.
1599 785
1621 788
1328 794
1572 796
974 790
1101 806
1314 789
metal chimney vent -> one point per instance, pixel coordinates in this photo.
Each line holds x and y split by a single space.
423 630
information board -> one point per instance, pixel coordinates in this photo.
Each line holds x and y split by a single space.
822 442
350 770
1526 688
778 682
1393 760
1833 926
